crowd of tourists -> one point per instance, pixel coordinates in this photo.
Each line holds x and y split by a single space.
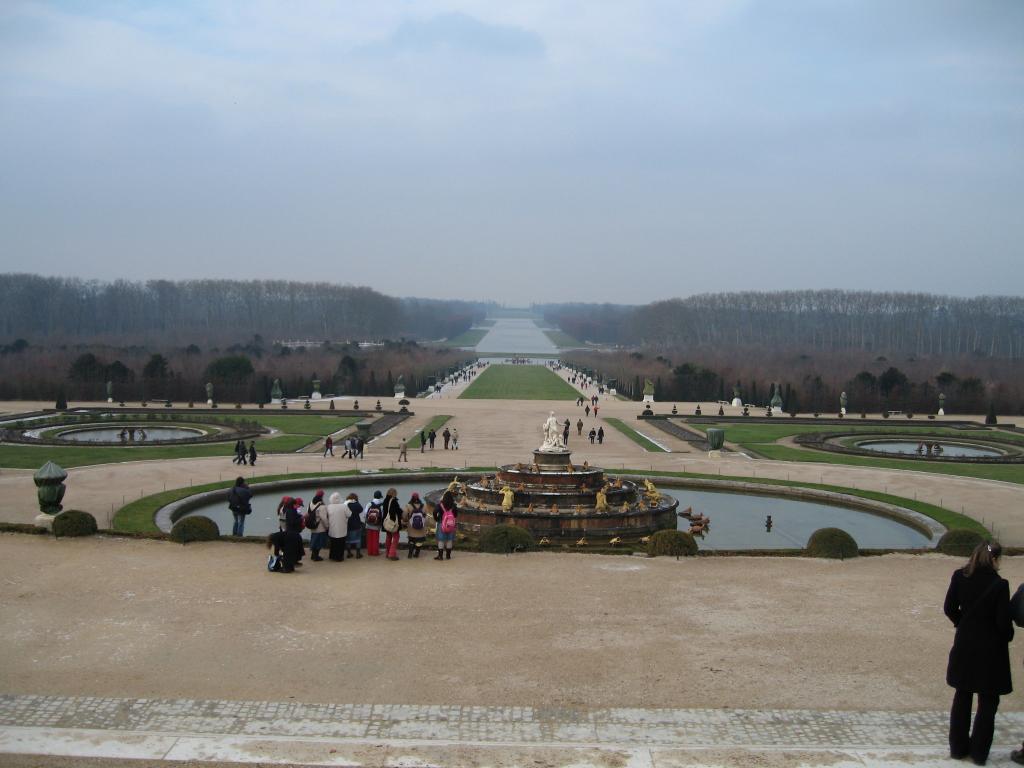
345 528
978 603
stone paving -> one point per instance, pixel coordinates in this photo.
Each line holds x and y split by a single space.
56 720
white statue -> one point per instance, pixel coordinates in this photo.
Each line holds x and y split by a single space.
552 435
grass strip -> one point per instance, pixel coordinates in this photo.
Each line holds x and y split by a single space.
561 339
519 382
469 338
635 436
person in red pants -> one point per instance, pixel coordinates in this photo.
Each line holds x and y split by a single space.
391 522
374 513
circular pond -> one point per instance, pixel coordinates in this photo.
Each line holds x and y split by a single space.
957 450
134 434
738 520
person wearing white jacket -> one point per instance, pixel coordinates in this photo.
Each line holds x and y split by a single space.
337 526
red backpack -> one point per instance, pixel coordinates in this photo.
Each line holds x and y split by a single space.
447 520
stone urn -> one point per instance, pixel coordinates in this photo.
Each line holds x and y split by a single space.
316 389
942 404
49 480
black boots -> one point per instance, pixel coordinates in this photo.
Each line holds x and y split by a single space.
416 553
447 554
316 556
409 555
440 555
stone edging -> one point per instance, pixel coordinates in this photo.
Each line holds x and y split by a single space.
822 441
167 515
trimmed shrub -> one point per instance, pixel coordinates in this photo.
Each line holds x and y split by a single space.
197 528
959 542
62 402
832 542
990 417
671 544
501 539
72 522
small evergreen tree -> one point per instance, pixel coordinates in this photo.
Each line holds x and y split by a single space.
991 417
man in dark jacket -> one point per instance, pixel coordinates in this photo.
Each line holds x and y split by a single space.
239 502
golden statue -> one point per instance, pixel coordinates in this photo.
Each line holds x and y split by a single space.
453 486
530 508
625 507
652 493
507 498
602 501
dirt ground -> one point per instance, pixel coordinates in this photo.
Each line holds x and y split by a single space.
124 617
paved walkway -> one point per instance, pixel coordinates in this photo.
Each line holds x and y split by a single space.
364 734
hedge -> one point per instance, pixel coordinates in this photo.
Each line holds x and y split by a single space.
196 528
959 542
671 543
502 539
832 543
73 522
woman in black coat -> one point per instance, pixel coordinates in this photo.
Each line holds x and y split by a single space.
978 604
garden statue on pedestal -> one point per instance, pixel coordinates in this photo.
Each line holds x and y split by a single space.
316 388
942 404
276 395
737 401
648 391
110 391
507 498
400 387
209 393
49 480
842 403
552 436
777 400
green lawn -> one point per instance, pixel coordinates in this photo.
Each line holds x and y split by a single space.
519 382
307 424
769 433
297 432
434 424
468 338
635 436
560 338
760 439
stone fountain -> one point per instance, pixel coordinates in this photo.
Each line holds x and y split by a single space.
553 497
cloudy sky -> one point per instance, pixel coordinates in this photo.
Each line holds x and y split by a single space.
585 150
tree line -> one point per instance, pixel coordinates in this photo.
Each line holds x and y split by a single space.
811 321
38 309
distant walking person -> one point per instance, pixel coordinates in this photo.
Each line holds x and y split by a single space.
600 435
360 446
433 437
403 451
592 435
252 454
239 452
579 429
240 504
455 439
587 410
447 437
423 440
978 604
328 446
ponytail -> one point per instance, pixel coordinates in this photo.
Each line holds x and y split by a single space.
985 557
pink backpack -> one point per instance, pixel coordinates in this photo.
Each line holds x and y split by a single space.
447 520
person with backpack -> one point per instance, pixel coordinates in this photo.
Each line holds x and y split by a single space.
415 525
240 504
337 515
316 523
287 550
282 511
372 520
391 522
445 515
978 604
354 538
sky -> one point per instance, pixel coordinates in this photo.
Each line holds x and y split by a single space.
530 151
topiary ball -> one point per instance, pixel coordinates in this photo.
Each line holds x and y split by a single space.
501 539
197 528
959 542
73 522
671 543
832 542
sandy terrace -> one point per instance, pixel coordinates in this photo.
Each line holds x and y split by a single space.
146 618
